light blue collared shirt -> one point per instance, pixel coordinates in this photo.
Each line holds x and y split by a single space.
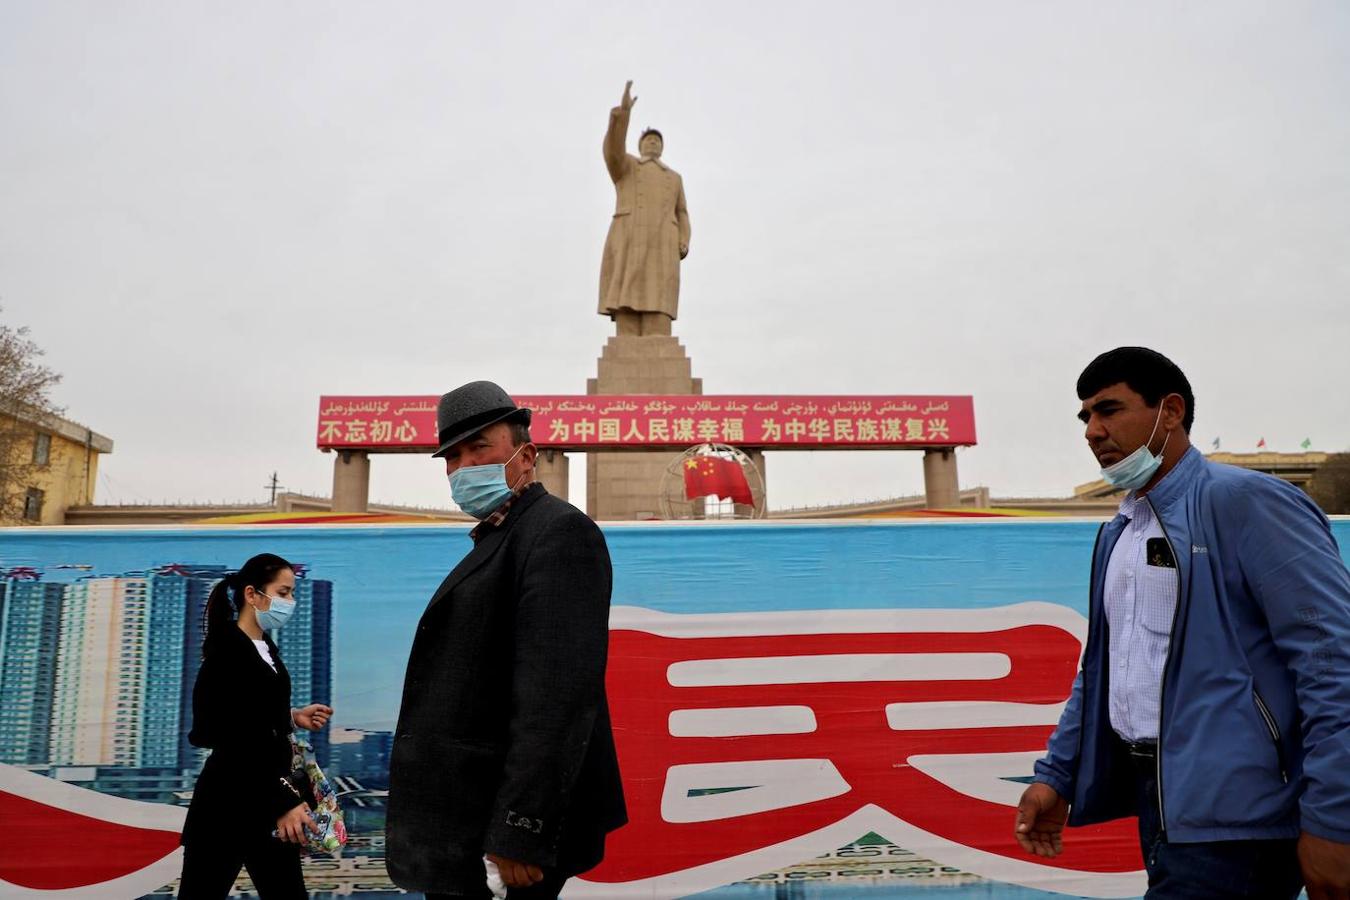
1141 601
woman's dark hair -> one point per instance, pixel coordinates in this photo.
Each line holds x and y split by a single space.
222 606
1146 372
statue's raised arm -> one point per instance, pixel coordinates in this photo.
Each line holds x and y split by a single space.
616 136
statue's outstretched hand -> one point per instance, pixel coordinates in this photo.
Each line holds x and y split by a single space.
627 102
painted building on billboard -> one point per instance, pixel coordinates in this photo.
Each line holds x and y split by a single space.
30 613
99 663
363 756
96 674
306 646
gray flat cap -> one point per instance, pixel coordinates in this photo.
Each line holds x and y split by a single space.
470 408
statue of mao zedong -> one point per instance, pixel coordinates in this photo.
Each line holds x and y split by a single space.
649 234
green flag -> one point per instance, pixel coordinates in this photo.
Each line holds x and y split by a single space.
1307 442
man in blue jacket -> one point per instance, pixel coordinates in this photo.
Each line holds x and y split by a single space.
1214 696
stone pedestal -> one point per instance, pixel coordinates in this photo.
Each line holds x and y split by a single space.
551 470
351 481
940 487
627 485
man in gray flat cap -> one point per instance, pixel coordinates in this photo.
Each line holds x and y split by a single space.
503 746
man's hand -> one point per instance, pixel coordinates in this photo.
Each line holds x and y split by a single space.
1040 820
291 827
312 717
627 102
519 874
1326 867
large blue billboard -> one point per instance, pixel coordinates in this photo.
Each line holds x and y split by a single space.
816 709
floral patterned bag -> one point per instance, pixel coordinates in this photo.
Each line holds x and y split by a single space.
331 835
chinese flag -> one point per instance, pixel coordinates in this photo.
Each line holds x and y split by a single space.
713 476
1261 443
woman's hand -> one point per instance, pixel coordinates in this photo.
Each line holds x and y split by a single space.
312 717
291 827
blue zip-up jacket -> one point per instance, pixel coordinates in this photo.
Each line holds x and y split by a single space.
1254 740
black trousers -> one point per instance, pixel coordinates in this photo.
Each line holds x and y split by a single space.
1211 870
209 870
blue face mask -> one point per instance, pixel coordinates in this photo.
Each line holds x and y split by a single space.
1134 471
478 490
275 615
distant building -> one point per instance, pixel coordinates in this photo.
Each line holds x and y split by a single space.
1296 468
1095 499
286 507
972 501
65 456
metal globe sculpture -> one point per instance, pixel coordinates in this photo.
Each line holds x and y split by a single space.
712 481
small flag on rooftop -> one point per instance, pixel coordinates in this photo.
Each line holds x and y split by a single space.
1307 442
1216 443
1261 444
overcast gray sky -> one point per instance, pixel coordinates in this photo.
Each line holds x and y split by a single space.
210 214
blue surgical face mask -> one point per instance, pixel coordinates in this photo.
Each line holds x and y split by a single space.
275 615
1134 471
478 490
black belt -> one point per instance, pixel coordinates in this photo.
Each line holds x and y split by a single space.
1147 749
1144 754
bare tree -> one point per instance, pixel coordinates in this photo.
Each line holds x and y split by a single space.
26 408
1330 485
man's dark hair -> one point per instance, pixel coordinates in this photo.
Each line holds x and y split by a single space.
520 433
652 131
1146 372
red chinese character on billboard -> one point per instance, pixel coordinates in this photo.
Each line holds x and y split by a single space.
751 741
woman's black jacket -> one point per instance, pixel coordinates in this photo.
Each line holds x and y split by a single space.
241 710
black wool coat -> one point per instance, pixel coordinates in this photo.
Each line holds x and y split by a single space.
241 710
504 743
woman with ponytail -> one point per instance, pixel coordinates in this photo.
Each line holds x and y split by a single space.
249 809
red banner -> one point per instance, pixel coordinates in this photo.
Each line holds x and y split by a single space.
394 424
